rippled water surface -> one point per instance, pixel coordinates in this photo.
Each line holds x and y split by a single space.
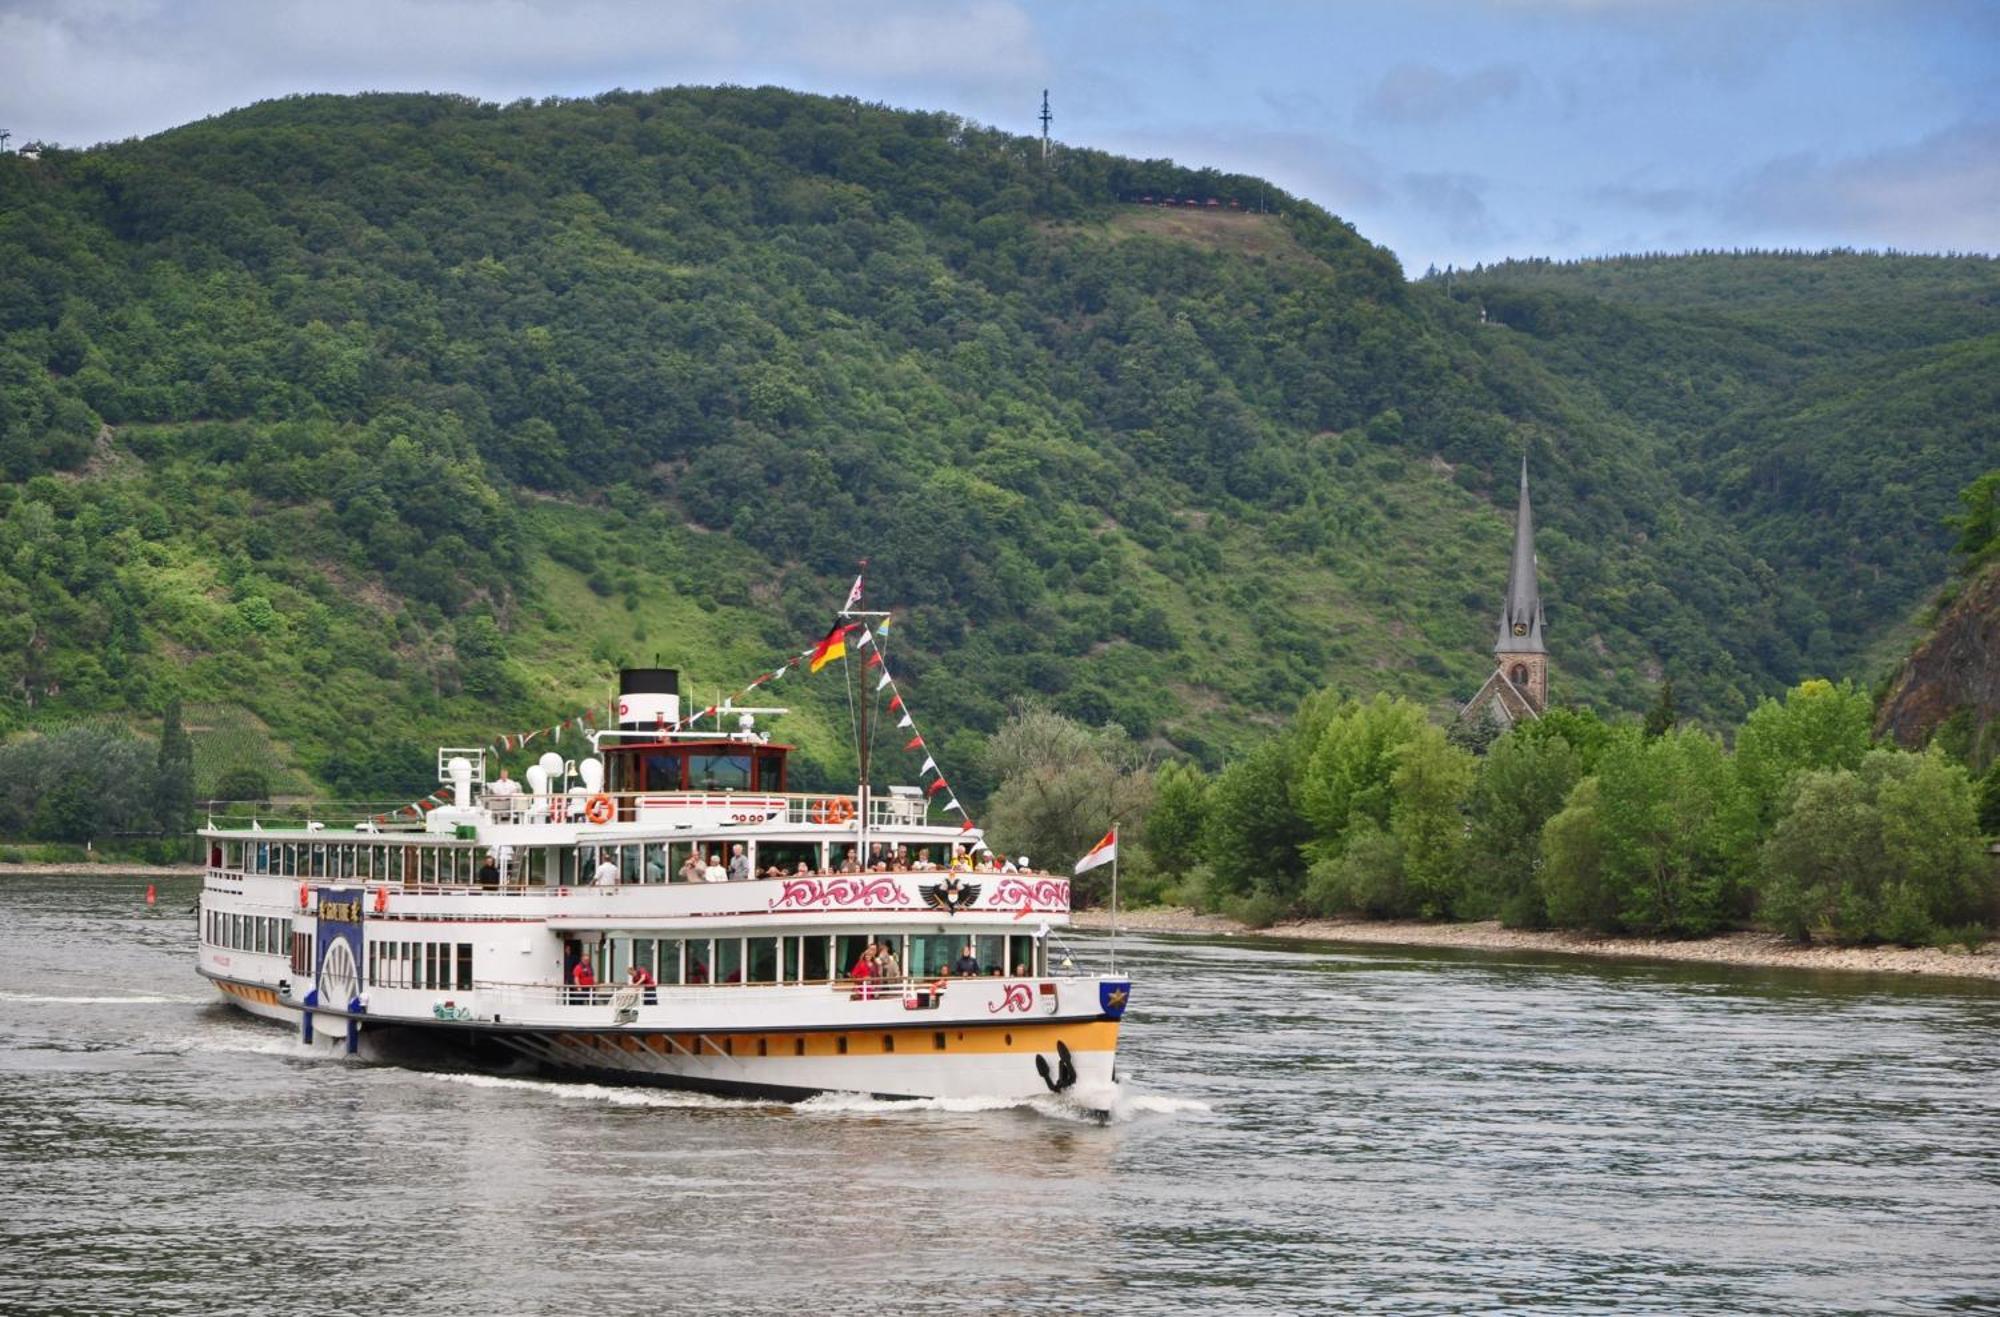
1304 1128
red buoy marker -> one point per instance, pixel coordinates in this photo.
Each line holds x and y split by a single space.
150 897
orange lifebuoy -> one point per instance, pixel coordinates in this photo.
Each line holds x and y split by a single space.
834 809
599 809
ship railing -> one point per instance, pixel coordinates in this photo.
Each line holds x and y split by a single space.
930 988
823 809
740 807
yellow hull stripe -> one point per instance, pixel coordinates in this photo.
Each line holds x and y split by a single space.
262 996
1087 1036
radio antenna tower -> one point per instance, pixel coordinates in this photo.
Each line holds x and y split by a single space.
1046 116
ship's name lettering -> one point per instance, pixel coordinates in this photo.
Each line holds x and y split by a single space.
340 912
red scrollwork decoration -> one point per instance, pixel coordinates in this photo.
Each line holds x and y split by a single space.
1019 997
1038 893
838 893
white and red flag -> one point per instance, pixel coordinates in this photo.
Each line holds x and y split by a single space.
854 595
1104 852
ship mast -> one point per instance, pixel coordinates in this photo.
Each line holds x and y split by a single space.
863 732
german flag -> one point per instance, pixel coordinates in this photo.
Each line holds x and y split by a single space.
834 646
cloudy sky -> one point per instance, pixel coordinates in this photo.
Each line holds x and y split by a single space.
1454 131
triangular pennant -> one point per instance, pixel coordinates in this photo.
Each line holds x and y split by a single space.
895 702
874 660
915 743
906 720
884 682
953 804
965 826
935 787
930 764
867 638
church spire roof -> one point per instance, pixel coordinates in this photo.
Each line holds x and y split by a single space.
1521 616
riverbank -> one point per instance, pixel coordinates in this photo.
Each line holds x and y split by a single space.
1764 950
100 868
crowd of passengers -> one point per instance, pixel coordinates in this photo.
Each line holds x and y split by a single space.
713 868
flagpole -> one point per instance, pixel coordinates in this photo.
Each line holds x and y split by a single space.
1114 898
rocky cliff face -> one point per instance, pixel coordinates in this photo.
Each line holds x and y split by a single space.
1956 669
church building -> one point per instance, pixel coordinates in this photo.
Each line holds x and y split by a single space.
1518 690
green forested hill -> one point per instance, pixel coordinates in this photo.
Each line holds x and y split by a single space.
360 422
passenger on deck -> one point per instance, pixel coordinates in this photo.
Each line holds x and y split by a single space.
967 964
606 874
849 865
803 868
959 859
715 873
887 967
642 978
585 980
691 868
739 864
489 871
863 973
656 864
901 864
503 796
995 972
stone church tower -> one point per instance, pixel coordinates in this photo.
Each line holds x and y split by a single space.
1519 687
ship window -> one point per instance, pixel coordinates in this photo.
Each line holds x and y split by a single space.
465 967
932 953
655 870
789 949
840 1044
847 949
798 1047
888 1042
719 772
763 960
815 967
728 963
937 1040
1021 954
700 960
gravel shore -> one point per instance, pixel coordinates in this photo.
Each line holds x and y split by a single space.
1759 949
108 869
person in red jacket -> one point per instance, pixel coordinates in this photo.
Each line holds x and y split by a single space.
642 978
863 973
584 978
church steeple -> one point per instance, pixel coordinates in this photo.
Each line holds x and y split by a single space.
1521 615
1518 690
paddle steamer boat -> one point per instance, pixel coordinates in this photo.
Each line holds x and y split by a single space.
374 929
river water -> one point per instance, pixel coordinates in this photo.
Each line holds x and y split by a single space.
1304 1128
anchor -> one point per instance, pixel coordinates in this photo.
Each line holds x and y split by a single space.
1065 1068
